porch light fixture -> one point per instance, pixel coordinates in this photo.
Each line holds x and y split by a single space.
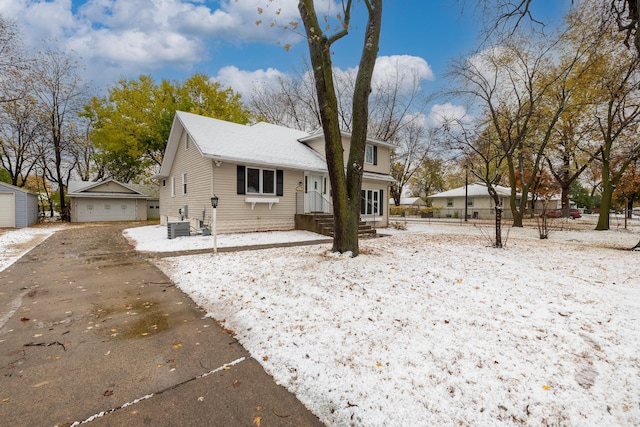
214 201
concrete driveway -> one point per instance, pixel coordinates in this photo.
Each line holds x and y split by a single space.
92 333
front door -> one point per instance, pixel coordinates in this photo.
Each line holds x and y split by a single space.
313 194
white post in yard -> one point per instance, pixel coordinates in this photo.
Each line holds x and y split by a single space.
214 206
215 234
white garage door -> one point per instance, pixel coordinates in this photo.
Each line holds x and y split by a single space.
90 210
7 210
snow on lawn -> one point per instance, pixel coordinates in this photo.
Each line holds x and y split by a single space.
15 243
153 238
435 327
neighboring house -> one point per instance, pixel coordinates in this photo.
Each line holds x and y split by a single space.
18 207
264 175
553 203
110 200
410 202
480 204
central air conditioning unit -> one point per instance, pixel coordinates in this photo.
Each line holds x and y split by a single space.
178 229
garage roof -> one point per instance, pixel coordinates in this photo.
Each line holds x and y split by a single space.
107 188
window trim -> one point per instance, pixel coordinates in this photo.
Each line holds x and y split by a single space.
372 199
173 186
373 156
242 181
261 180
184 184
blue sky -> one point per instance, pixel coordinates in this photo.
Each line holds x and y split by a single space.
176 38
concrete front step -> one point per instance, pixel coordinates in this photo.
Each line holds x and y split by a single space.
323 224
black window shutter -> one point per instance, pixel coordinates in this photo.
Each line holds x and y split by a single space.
241 177
375 155
381 210
279 182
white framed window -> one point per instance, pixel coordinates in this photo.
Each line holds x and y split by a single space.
173 186
184 183
470 201
261 181
370 202
369 154
449 203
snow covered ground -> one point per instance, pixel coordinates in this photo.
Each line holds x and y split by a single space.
432 326
15 243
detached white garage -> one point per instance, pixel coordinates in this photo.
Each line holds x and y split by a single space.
108 200
18 207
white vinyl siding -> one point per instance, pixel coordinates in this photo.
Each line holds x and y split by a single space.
194 187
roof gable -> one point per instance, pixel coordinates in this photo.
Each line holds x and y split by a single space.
260 144
319 134
14 188
108 186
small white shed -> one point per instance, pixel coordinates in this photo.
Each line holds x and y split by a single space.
18 207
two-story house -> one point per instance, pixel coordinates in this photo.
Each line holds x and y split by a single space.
263 175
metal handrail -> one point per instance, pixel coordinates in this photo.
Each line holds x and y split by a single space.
326 205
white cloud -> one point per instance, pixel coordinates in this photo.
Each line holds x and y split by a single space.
115 36
243 82
408 70
447 113
45 20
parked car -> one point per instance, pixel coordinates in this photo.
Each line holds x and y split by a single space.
575 213
557 213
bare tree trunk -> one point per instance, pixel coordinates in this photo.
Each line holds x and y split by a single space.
607 195
345 187
498 243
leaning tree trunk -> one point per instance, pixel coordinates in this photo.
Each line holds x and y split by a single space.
498 209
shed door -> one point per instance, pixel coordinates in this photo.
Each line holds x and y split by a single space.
90 210
153 209
7 210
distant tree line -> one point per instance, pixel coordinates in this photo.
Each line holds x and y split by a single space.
52 129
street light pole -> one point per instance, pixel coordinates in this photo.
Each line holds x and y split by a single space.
466 190
214 205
